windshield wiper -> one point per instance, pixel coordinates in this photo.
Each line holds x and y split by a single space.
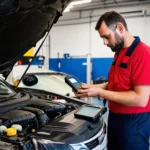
7 95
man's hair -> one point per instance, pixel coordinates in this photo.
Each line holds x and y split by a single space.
111 18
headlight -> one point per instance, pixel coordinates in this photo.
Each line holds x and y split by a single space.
78 146
103 134
47 145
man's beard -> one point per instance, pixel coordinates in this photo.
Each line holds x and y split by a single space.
119 43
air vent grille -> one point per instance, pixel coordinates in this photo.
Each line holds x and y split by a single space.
92 144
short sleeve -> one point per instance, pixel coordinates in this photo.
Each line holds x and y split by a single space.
140 68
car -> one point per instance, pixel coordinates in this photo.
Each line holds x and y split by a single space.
44 123
40 78
32 119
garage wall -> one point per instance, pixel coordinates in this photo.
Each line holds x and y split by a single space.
79 40
75 35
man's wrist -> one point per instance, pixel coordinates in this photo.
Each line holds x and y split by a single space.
101 93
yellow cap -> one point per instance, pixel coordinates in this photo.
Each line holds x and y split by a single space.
11 131
33 130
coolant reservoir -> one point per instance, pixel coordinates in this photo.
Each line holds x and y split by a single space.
17 126
11 131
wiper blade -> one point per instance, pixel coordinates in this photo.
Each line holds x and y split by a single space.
6 95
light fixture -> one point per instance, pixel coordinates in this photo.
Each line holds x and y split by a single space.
80 2
71 5
68 8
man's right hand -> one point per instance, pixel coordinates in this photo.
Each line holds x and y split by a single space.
89 91
84 86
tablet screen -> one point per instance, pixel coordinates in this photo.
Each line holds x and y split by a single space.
73 81
88 111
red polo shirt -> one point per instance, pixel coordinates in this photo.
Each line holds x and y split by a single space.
124 79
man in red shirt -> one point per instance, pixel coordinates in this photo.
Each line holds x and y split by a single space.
128 86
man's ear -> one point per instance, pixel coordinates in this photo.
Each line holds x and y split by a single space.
119 28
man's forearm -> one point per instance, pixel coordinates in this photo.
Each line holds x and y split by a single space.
102 85
128 98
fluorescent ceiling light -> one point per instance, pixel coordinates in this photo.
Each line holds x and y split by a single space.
66 10
76 3
69 6
80 2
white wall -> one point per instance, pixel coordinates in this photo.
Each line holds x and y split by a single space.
74 33
70 39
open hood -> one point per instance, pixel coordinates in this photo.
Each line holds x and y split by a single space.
22 24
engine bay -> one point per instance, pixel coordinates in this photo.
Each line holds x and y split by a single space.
42 115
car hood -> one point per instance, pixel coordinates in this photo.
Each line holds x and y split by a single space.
22 24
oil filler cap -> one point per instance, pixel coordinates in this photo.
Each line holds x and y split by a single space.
11 131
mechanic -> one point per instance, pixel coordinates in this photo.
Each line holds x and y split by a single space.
128 86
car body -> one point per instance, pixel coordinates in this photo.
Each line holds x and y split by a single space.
33 119
48 80
45 122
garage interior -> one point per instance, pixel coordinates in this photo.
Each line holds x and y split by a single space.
82 41
82 53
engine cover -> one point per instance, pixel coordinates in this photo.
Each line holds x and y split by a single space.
21 117
69 129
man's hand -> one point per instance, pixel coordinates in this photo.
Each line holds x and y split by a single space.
88 91
84 86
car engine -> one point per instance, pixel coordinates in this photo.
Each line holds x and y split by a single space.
30 115
37 114
32 119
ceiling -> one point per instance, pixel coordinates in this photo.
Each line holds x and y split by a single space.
96 4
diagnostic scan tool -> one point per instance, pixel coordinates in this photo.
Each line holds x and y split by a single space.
83 112
73 82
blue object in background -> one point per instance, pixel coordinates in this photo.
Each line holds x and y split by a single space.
66 55
25 60
74 66
100 67
36 61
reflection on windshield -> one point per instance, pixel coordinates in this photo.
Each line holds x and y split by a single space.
5 90
50 82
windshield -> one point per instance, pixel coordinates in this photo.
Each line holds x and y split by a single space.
40 78
50 82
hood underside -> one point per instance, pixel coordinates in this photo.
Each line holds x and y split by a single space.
22 24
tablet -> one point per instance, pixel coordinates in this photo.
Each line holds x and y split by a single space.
88 112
